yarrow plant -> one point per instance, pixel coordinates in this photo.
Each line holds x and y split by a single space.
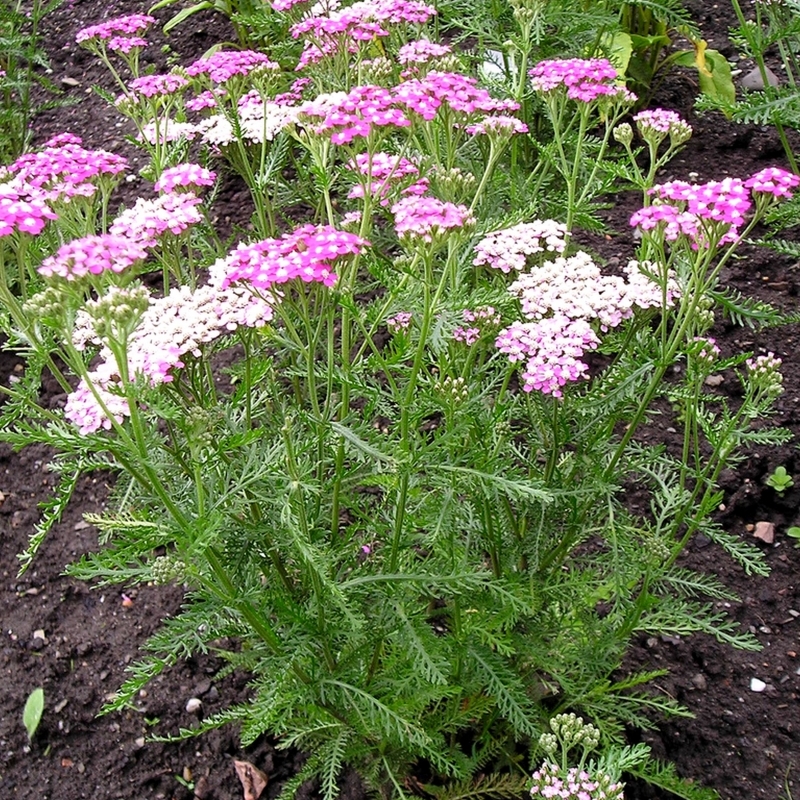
381 432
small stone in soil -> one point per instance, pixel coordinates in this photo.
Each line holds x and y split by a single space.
193 705
757 685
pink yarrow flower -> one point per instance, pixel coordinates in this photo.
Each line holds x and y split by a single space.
773 180
422 51
308 253
183 176
130 24
93 255
345 117
427 217
24 212
508 249
155 85
551 349
226 64
125 44
147 220
584 80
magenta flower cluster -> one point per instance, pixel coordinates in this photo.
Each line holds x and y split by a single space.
355 114
693 211
359 22
226 64
308 253
93 255
130 24
584 80
156 85
552 349
451 90
772 180
23 212
662 121
62 162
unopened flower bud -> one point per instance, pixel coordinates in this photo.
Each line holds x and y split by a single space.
623 133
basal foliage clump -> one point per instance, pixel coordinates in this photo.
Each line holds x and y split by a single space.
386 435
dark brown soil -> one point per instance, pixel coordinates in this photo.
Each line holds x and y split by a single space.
742 743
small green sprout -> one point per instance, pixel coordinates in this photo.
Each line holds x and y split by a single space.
32 713
780 480
794 532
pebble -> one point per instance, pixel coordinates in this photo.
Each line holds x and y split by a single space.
699 681
193 705
757 685
714 380
755 82
765 531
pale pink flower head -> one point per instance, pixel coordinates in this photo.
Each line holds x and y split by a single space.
184 176
148 220
93 255
422 51
656 123
426 218
508 249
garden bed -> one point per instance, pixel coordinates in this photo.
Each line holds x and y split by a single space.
76 641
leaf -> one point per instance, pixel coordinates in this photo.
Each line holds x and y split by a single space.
253 780
32 713
713 70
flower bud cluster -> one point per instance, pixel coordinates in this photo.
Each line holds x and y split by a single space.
704 350
115 314
482 318
167 569
763 372
508 249
455 390
656 124
400 322
572 731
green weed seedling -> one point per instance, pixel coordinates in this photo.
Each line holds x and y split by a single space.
32 713
780 480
